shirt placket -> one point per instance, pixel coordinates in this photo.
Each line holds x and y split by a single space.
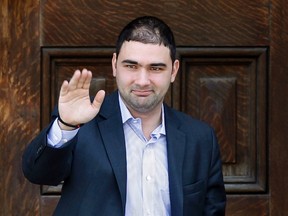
149 190
148 180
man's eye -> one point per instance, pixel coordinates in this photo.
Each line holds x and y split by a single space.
131 66
156 68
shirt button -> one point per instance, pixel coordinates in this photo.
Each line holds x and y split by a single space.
148 178
64 140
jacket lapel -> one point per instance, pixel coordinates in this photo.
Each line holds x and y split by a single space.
114 142
175 149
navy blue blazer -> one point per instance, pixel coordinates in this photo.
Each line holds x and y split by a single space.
93 166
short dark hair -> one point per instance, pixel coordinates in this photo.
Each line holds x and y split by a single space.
148 30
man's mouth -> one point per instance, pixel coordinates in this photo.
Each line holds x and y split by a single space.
142 93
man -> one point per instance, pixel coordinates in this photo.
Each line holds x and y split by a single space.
128 153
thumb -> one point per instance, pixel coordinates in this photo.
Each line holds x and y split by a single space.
98 100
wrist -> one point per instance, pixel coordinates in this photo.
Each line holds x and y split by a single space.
67 126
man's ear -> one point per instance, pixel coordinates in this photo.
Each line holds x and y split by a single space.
175 69
114 63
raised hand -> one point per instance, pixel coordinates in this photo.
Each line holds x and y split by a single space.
74 103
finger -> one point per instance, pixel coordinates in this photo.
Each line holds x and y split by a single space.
82 78
87 81
98 100
74 80
64 88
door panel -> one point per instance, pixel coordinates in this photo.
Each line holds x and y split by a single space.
232 54
224 87
194 22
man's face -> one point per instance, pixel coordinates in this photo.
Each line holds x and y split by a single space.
143 74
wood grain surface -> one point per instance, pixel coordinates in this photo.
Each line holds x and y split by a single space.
221 22
278 109
30 30
19 102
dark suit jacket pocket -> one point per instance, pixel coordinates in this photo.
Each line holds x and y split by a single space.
194 198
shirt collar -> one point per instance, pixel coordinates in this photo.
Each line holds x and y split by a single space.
126 115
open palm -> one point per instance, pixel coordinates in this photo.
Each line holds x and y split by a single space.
74 104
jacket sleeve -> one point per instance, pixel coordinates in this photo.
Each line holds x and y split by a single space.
215 201
43 164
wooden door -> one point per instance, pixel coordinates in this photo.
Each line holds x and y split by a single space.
233 75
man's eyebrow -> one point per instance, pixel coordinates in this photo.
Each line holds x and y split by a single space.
127 61
158 65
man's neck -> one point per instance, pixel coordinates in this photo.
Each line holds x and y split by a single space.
150 121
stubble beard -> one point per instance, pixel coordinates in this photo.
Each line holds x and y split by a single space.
141 104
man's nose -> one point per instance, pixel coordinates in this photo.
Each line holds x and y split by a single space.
143 77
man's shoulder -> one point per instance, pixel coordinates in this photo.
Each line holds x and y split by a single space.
185 119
